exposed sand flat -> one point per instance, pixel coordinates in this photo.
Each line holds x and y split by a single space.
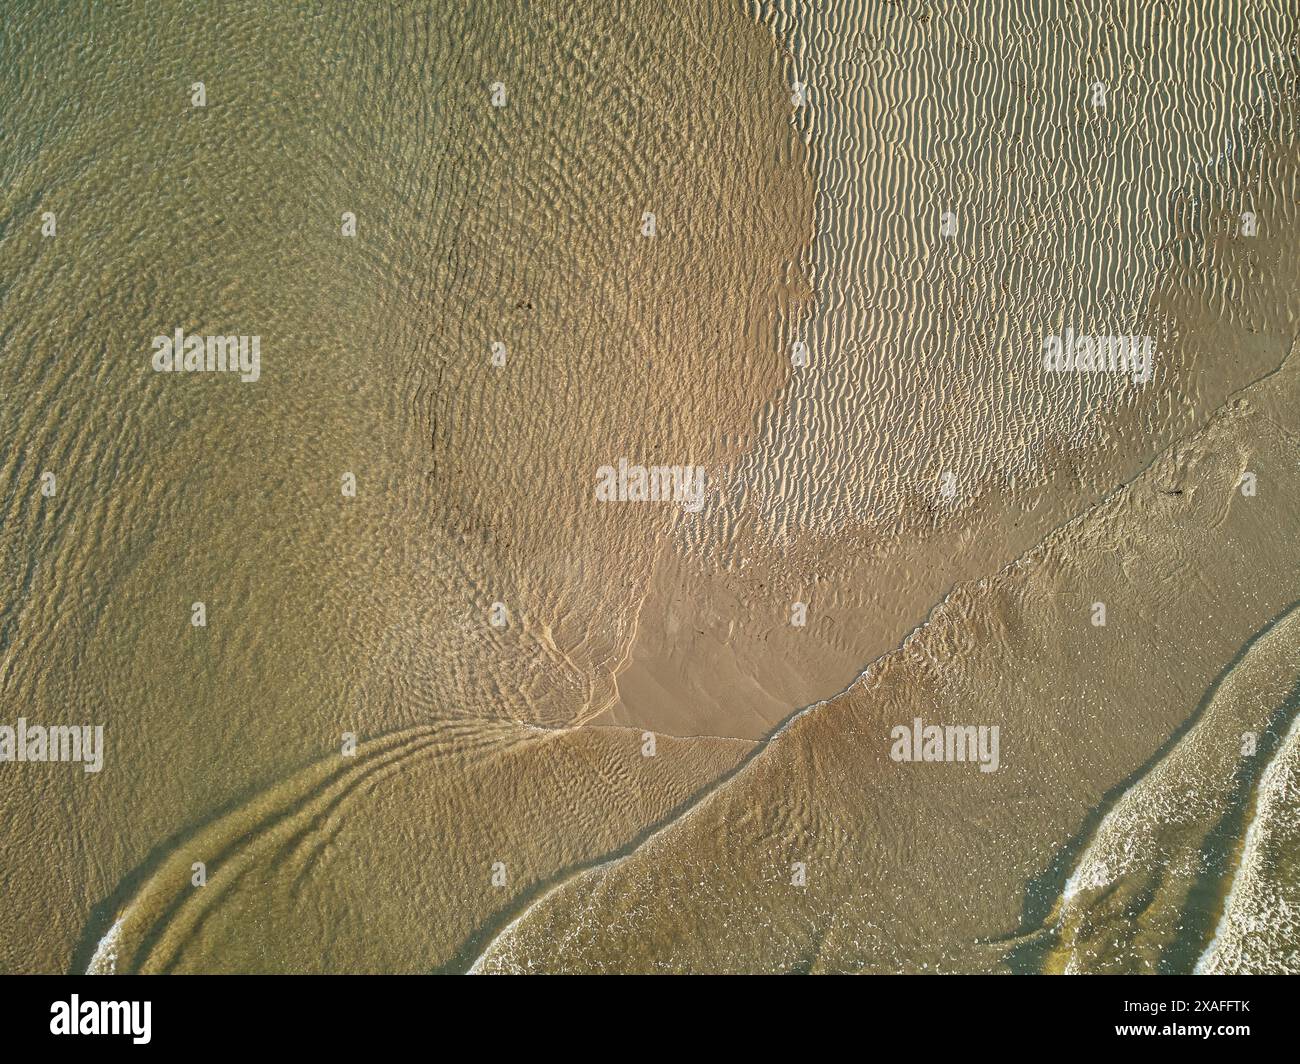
926 351
1065 210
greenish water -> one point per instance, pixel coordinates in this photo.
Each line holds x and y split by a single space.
349 765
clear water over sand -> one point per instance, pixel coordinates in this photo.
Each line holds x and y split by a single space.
947 512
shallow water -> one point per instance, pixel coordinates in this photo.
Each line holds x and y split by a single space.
947 513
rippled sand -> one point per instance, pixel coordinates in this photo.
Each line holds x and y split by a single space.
940 867
330 616
503 810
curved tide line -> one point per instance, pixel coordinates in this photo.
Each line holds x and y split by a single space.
1250 850
151 928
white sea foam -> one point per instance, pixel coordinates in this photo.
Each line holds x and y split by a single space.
1256 913
104 960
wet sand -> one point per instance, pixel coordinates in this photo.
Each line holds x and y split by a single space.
501 810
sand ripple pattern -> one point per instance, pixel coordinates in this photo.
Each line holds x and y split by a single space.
926 351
